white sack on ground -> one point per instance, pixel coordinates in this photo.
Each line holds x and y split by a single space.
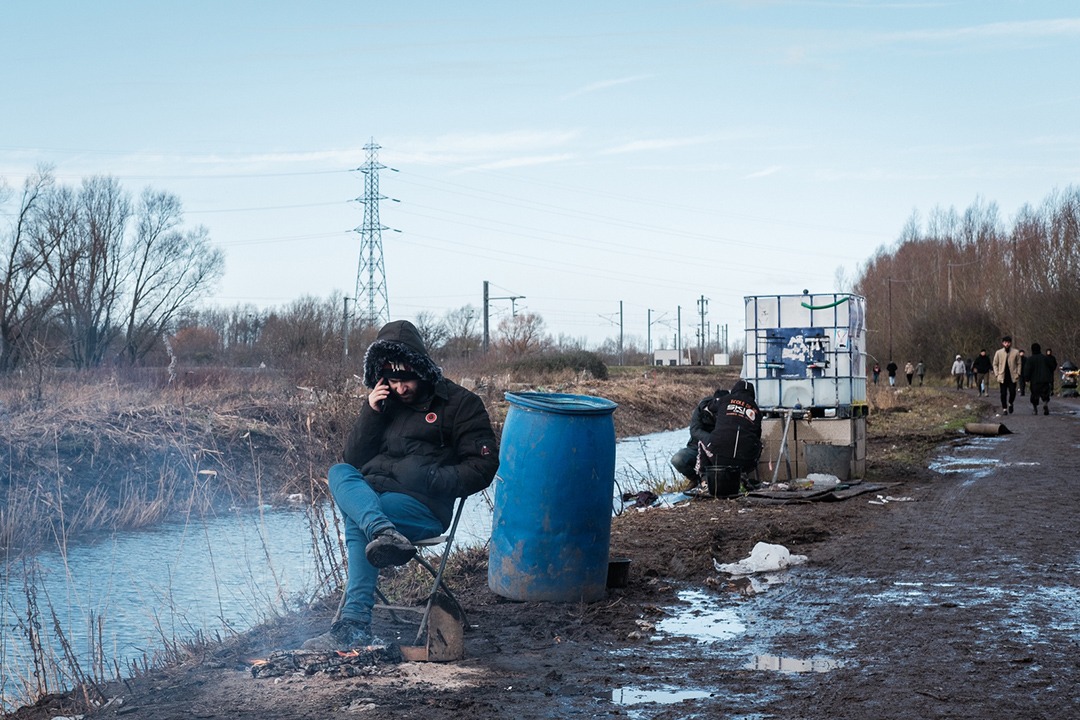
823 480
765 557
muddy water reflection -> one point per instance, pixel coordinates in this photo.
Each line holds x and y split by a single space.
792 665
664 696
704 621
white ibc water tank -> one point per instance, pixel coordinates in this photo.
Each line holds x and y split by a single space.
806 350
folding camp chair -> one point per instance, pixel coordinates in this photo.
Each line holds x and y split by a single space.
447 542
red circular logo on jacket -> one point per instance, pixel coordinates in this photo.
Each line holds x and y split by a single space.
431 417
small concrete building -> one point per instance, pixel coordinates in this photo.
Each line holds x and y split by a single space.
670 357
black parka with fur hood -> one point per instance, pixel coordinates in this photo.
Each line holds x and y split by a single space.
437 450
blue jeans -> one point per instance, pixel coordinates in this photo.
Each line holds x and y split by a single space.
368 513
684 461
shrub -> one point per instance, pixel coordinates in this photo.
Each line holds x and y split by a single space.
550 363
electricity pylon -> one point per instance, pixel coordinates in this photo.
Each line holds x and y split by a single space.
371 306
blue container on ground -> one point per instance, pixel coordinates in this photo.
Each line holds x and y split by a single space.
551 525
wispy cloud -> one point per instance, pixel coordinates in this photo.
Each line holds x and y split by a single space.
656 144
765 172
507 149
525 161
1026 29
604 85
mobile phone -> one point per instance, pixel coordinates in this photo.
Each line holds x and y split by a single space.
382 403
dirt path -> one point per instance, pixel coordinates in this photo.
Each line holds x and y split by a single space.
960 602
965 602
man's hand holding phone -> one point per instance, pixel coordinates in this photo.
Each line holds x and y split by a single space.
377 397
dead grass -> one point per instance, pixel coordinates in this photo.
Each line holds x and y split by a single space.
97 453
906 423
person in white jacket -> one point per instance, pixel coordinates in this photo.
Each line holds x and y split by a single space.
959 370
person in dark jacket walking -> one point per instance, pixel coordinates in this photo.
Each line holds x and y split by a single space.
1039 375
1053 365
890 370
1052 362
982 367
702 422
1021 383
420 442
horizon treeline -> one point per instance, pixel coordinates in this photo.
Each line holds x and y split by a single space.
955 283
92 277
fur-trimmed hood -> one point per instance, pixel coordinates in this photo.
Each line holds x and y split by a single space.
399 341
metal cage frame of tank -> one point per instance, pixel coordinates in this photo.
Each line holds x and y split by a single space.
807 352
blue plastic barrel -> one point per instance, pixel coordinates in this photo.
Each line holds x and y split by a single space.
551 525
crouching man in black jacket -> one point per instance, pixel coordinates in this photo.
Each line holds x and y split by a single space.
734 445
702 422
420 442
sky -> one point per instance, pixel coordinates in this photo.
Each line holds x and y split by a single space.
613 165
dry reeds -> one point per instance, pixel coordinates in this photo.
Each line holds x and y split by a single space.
126 455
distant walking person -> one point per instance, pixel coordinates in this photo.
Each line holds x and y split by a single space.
877 372
982 367
970 372
1021 383
1053 371
1007 370
1040 374
909 372
959 371
920 372
890 370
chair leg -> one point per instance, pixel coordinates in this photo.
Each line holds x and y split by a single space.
439 583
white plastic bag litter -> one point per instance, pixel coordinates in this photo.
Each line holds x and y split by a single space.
765 557
823 480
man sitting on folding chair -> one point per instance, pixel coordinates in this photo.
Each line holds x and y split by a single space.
420 442
734 444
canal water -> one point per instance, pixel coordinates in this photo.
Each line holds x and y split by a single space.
213 576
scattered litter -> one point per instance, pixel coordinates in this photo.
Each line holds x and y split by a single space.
765 557
885 499
823 480
640 500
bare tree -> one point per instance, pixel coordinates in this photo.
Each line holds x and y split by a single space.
969 279
24 298
432 330
522 334
168 269
88 269
305 330
463 329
